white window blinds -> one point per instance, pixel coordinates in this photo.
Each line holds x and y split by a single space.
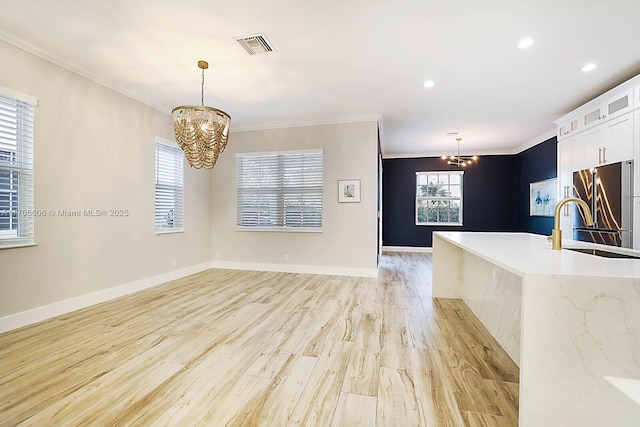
280 190
169 188
16 169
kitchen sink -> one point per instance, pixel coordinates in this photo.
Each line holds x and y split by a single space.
603 253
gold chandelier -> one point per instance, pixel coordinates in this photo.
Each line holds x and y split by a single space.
460 161
202 132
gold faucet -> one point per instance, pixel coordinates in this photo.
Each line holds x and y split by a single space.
556 234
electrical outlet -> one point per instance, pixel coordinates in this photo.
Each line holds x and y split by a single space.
217 254
174 262
286 257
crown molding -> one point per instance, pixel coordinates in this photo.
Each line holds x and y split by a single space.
535 141
503 152
327 120
56 60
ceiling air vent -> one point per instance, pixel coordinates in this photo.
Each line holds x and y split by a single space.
255 43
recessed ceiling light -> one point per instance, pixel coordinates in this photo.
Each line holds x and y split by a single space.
525 43
429 83
589 67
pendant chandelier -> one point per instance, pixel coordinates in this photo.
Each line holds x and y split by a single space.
460 161
202 132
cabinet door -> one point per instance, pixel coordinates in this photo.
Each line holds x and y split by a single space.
608 110
577 151
636 163
566 129
636 223
618 105
618 143
592 143
593 116
565 178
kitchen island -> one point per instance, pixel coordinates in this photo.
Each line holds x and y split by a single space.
568 319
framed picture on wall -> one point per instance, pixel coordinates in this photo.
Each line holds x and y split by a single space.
349 191
543 197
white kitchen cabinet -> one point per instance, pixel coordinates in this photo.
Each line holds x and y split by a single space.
610 142
619 105
568 128
618 143
608 110
636 163
565 183
590 148
577 152
636 223
636 97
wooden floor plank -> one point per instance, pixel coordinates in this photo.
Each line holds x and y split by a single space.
364 363
355 410
397 399
275 406
435 394
317 403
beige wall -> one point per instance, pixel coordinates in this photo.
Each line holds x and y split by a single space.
350 229
94 149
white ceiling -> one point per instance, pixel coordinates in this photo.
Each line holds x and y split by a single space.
349 60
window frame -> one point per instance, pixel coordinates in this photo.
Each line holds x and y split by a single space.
17 113
420 198
174 149
280 193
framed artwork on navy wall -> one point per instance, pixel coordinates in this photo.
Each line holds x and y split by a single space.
543 197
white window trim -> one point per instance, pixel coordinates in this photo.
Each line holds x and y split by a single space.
26 203
275 153
283 229
417 199
167 230
11 93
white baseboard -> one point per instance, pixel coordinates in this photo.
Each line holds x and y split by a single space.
28 317
296 268
406 249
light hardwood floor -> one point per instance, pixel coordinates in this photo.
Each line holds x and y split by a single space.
247 348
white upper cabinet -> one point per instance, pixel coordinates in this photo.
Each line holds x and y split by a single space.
610 142
636 97
618 143
607 110
590 148
619 105
569 127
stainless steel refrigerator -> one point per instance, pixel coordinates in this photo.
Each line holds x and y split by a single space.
608 191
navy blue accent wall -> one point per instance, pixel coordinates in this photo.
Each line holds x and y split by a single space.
496 194
489 200
535 164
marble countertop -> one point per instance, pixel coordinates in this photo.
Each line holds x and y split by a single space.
523 253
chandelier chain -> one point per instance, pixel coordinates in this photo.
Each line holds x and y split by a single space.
202 90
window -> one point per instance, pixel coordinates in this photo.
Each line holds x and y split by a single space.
439 198
16 168
169 189
280 190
